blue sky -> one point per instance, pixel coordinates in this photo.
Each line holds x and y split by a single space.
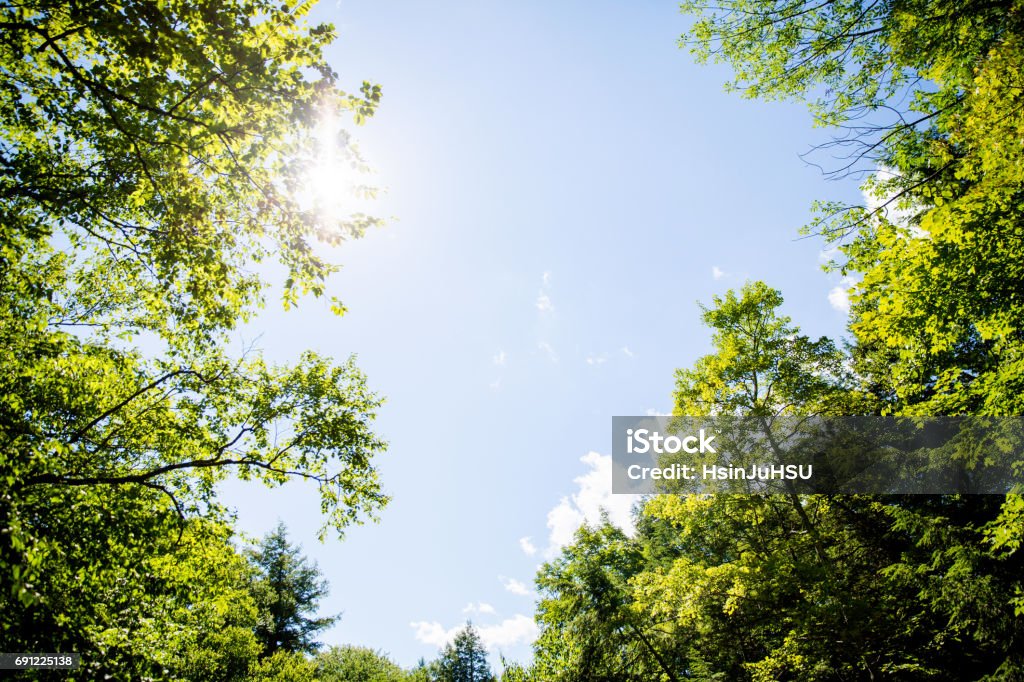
568 185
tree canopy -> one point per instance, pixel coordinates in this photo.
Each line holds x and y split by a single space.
357 664
152 162
928 99
783 586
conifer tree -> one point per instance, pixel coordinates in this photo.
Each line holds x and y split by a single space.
465 659
288 589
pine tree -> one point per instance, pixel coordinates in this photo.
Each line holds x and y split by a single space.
465 659
288 589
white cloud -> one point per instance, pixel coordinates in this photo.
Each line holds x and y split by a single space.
627 352
597 359
482 607
839 299
544 304
827 255
546 347
651 412
500 357
526 544
433 633
717 272
495 385
839 296
563 521
519 629
515 586
585 505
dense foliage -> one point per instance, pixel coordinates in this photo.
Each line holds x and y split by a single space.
357 664
766 587
150 157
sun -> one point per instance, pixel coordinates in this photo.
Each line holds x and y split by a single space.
334 182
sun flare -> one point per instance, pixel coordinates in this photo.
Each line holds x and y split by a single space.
334 183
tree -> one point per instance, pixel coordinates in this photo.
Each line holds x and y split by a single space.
180 180
590 629
512 671
937 315
762 365
424 671
284 666
357 664
202 618
865 66
927 93
151 157
763 587
464 659
288 590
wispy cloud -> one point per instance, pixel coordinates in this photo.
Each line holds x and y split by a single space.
526 544
717 272
546 347
544 304
600 359
482 607
627 352
499 358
